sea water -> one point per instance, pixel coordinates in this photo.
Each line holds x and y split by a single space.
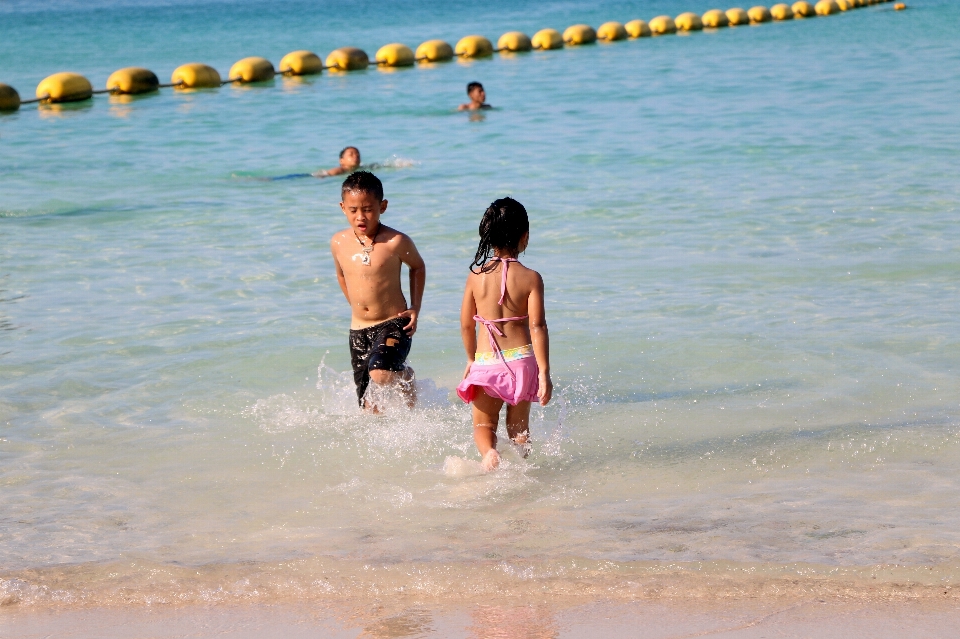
750 246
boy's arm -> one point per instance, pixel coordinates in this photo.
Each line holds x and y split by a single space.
336 264
418 277
468 326
541 340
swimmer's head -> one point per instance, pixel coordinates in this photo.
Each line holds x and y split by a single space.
349 158
476 92
504 229
362 182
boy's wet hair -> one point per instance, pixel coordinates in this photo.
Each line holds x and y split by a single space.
503 226
363 182
347 148
472 86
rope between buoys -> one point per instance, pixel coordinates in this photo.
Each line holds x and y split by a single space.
181 83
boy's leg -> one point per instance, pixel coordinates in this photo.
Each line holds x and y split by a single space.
486 417
387 363
405 380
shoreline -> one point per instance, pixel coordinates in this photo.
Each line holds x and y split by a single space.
824 618
568 581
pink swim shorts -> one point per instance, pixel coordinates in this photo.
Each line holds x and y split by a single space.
497 381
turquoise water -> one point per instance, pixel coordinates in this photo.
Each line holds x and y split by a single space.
750 247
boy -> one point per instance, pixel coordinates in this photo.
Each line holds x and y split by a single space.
368 258
478 98
349 161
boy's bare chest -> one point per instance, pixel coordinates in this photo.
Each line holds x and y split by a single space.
366 260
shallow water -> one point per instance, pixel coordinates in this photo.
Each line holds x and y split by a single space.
749 242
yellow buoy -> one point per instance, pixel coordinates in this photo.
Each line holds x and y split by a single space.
759 14
737 16
714 18
473 46
637 29
826 8
395 55
547 39
579 34
611 31
434 51
252 69
9 98
514 41
899 6
301 63
132 81
64 87
348 59
843 5
803 9
781 12
195 76
688 21
662 25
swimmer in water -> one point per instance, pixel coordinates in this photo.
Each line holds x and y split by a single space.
478 98
349 162
513 364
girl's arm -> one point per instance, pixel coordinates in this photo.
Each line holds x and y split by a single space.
468 327
541 340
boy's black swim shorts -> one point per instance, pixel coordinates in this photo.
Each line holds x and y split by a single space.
381 347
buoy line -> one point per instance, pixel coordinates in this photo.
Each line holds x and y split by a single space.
73 87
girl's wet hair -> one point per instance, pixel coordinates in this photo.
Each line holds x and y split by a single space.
503 226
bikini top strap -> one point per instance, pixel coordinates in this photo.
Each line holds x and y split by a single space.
503 275
491 326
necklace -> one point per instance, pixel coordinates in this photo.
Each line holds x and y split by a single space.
367 250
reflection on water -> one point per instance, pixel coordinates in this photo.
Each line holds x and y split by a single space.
410 623
513 622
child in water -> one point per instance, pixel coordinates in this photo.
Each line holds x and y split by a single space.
506 299
478 98
349 162
368 257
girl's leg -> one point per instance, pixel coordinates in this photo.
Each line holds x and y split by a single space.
486 417
518 422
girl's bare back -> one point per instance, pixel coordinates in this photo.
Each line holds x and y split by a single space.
522 282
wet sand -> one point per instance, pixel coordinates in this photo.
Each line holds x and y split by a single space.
825 619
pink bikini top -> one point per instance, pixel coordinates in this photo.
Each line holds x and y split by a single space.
491 325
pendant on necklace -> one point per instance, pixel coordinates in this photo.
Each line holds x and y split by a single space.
365 256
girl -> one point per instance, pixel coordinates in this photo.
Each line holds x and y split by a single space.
512 364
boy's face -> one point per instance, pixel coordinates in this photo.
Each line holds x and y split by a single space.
350 159
477 94
363 211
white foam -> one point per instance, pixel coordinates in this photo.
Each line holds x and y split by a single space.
454 466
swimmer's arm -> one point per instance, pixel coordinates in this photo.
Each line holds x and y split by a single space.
410 256
541 340
468 326
336 263
328 172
